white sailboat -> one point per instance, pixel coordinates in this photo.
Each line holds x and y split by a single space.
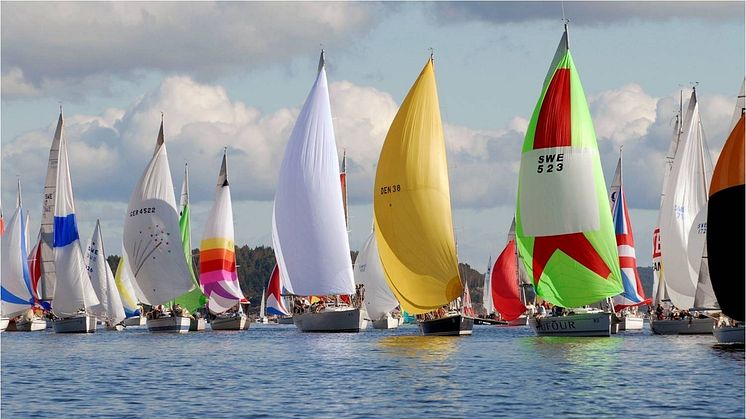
263 309
379 300
152 241
110 309
308 221
74 295
683 228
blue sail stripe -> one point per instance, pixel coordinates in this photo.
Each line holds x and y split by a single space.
9 297
65 230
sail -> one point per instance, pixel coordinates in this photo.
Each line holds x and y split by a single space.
379 300
152 239
34 267
725 225
343 182
73 290
468 309
193 299
506 296
633 293
412 204
102 279
217 257
263 304
123 281
309 232
486 291
274 301
16 295
49 277
684 202
564 231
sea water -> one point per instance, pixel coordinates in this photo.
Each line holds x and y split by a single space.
276 371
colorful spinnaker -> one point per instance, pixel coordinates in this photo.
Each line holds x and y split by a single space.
124 282
16 295
217 257
73 290
152 238
412 204
102 279
275 304
633 293
504 287
725 223
193 299
564 231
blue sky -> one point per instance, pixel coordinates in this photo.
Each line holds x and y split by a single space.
236 74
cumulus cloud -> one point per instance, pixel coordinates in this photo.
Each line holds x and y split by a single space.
587 13
54 46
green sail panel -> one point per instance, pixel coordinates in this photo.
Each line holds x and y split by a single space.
564 228
193 299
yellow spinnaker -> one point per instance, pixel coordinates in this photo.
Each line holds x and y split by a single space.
412 204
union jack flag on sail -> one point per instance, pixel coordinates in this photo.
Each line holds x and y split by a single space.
633 293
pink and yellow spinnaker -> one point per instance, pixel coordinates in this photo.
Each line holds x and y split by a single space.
564 229
217 258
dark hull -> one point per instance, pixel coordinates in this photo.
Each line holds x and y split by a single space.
448 326
725 249
478 320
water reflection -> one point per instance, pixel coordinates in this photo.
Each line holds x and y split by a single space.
426 348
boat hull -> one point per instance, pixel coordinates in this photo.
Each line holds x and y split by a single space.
729 334
262 320
583 325
458 325
331 321
168 325
78 324
4 321
520 321
387 322
135 321
682 327
34 325
197 325
285 320
115 328
230 323
631 323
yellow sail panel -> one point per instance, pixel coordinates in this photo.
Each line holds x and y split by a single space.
412 204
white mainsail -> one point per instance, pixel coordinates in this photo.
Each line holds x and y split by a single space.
379 299
152 238
489 308
73 291
48 276
102 279
16 280
309 232
685 202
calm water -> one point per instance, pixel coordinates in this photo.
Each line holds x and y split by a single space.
277 371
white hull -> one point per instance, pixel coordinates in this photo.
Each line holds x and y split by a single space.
682 327
197 325
387 322
116 328
169 325
35 325
135 321
79 324
631 323
331 320
521 321
4 323
586 324
230 323
729 334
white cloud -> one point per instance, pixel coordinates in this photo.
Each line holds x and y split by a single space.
14 85
623 115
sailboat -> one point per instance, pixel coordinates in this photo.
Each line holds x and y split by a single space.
487 304
194 299
17 296
263 309
152 242
74 295
683 227
217 261
412 213
110 309
123 280
725 229
564 231
633 296
379 300
508 294
274 301
308 221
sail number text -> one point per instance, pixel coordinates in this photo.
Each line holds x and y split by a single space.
150 210
390 189
550 163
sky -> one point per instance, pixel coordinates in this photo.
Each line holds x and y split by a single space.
235 75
